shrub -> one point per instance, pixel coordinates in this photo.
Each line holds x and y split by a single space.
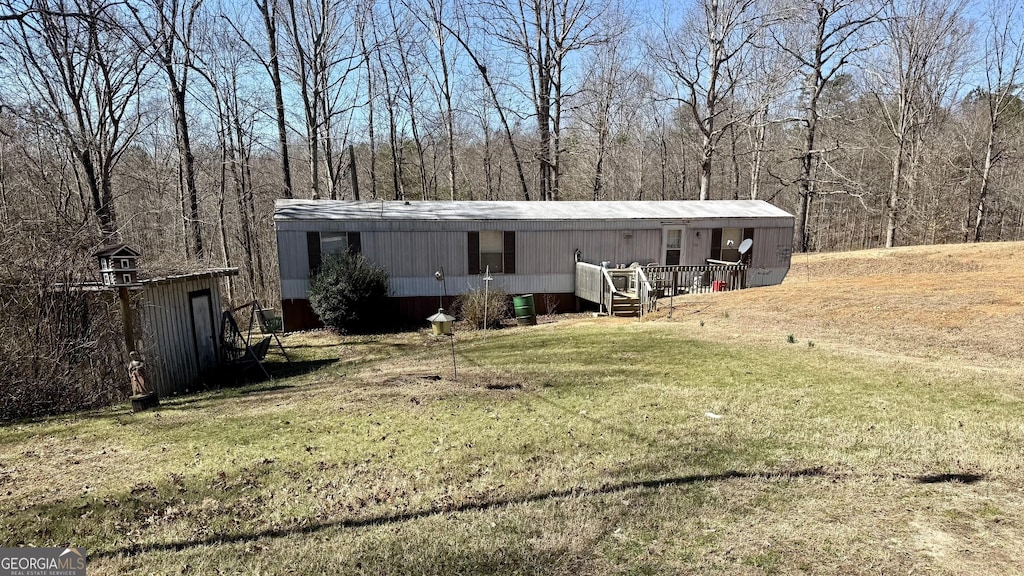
349 293
471 307
60 347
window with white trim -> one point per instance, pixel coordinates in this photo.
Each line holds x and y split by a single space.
492 251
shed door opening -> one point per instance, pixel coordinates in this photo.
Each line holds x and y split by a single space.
203 330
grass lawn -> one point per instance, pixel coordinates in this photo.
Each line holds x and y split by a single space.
700 444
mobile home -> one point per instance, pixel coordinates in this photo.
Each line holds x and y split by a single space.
529 247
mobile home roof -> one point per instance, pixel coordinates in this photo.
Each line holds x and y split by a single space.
294 210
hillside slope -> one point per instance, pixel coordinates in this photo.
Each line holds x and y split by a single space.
960 303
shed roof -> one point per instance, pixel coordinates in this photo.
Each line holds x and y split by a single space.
292 210
186 276
166 279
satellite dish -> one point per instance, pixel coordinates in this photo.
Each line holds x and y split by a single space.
745 246
439 275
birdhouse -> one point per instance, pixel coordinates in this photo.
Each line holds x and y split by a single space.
441 323
119 265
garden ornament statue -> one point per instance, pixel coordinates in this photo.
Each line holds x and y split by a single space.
137 374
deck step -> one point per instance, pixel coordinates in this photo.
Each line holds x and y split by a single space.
625 307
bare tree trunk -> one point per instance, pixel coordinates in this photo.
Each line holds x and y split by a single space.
268 9
980 213
488 154
221 220
407 78
167 35
735 163
310 99
371 98
756 162
187 164
501 112
892 205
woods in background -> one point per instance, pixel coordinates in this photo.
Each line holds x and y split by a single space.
173 125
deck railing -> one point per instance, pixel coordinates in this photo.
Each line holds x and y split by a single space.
612 287
676 280
607 287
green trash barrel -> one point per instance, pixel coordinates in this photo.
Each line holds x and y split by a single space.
525 313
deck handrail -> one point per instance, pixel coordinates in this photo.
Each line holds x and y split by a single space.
645 292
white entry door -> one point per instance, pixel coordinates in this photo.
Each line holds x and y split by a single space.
672 245
203 330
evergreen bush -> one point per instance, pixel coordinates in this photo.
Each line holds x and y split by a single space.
349 293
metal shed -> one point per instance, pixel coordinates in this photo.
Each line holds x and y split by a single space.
180 320
531 247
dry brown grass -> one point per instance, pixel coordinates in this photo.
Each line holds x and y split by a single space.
961 305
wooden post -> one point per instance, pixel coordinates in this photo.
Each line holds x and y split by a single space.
145 400
126 318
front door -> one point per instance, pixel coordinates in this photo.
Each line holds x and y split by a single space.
203 330
672 246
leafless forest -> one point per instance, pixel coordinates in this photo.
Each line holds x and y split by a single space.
173 125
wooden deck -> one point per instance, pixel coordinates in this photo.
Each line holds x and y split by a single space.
633 292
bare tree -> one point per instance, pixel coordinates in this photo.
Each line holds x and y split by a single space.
1000 96
703 62
166 29
323 54
269 9
545 33
371 97
432 17
79 79
822 40
479 61
403 52
923 46
611 91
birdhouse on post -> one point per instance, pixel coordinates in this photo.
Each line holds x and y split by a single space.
119 265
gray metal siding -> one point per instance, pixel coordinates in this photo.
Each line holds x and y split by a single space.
412 251
455 285
551 252
417 253
773 247
698 247
409 254
293 259
169 345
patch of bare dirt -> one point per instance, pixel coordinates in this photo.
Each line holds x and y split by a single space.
962 303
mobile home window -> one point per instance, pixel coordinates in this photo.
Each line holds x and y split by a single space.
320 243
725 243
493 249
340 242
